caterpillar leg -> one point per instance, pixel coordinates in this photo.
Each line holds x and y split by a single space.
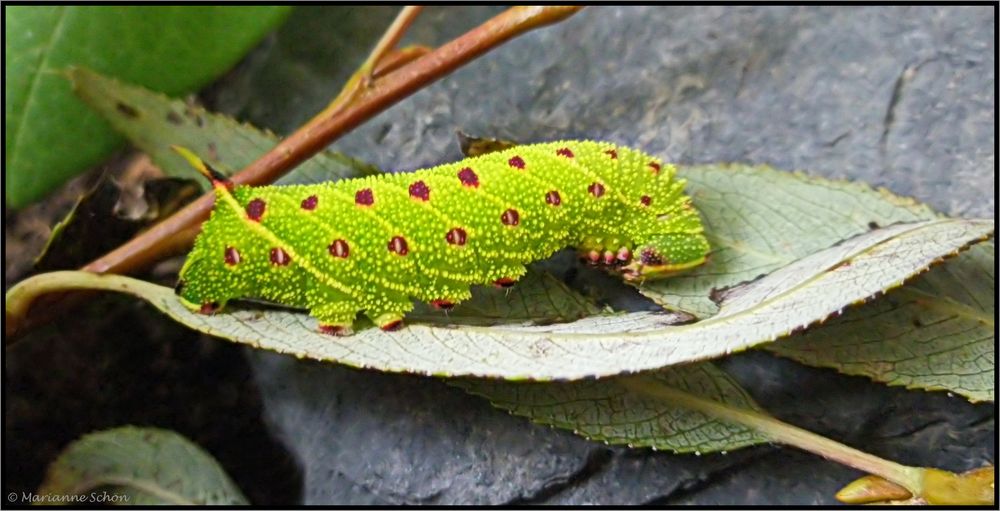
335 318
387 321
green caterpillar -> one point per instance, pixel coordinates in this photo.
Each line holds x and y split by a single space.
373 244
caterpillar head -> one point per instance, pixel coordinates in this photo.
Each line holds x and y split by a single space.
665 255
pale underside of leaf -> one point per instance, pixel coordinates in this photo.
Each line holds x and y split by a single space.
539 298
807 291
758 219
149 466
937 333
607 411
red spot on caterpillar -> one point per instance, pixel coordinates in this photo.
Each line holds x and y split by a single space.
310 202
564 151
468 177
364 197
504 282
232 256
280 257
392 326
650 257
596 189
209 307
553 198
646 200
516 162
255 209
419 190
398 245
339 248
442 304
333 329
456 236
612 153
510 217
655 166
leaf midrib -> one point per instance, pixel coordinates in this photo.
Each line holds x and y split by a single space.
55 35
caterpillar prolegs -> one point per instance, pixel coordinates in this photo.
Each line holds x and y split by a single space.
373 244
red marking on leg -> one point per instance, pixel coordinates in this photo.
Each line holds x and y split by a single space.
456 236
310 203
553 198
255 209
510 217
442 305
650 257
612 153
596 189
624 254
420 191
337 330
504 282
593 256
339 248
564 151
609 257
209 308
468 177
398 245
279 257
517 162
392 326
646 200
655 166
232 256
364 197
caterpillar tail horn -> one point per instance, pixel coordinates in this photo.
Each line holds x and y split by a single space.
215 177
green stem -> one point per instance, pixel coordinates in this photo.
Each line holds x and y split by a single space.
908 477
19 298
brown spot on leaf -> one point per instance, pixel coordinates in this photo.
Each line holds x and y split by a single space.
127 110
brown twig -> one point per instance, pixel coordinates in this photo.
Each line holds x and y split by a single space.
364 75
315 135
319 132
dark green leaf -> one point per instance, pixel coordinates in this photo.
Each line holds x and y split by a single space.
49 135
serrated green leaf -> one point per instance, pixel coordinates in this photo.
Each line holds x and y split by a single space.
934 334
793 297
155 122
607 411
49 135
758 219
143 466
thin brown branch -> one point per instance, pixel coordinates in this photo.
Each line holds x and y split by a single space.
363 76
150 246
318 133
